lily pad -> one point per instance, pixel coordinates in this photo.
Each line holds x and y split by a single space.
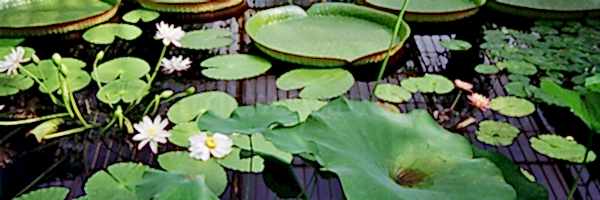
400 156
317 83
162 185
51 193
392 93
192 6
106 33
206 39
553 5
261 146
518 89
181 133
456 45
430 10
512 106
585 106
126 90
136 15
486 69
497 133
430 83
561 148
181 162
235 161
47 73
123 68
10 85
248 120
593 83
327 35
189 108
117 182
518 67
10 42
302 106
234 66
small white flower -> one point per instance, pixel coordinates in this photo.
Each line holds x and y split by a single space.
175 64
151 132
169 34
204 145
12 62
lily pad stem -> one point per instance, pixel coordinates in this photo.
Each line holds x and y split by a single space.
456 100
394 37
157 67
68 132
153 104
37 80
71 100
33 120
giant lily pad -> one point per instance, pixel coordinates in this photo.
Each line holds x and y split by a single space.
25 17
547 8
317 83
124 67
106 33
190 6
512 106
189 108
561 148
10 85
391 155
126 90
248 120
497 133
327 35
234 66
181 162
430 10
51 193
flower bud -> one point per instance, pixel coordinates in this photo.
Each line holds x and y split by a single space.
190 90
166 94
56 58
100 55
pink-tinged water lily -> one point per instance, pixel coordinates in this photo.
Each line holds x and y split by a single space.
169 34
479 101
175 64
463 85
151 132
204 145
12 62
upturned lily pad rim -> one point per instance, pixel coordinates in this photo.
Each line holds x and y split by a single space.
413 16
580 8
409 11
540 13
208 6
62 27
265 17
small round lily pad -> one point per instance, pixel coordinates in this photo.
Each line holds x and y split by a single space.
10 85
123 68
317 83
135 16
235 66
206 39
512 106
189 108
518 89
126 90
456 45
593 83
519 67
430 83
106 33
181 133
497 133
486 69
392 93
562 148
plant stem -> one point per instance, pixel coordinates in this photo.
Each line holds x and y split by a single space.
67 132
456 100
585 157
32 120
394 37
37 80
157 67
109 125
76 110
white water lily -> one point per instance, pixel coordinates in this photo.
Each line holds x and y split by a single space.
175 64
12 62
169 34
151 132
204 145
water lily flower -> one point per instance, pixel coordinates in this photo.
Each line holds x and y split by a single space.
204 145
151 132
169 34
12 62
479 101
175 64
463 85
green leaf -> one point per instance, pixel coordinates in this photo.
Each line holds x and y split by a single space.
234 66
235 161
518 67
384 155
206 39
261 146
512 106
303 107
180 162
248 120
430 83
181 133
584 106
317 83
136 15
117 182
518 89
123 68
46 128
126 90
189 108
10 85
392 93
497 133
47 73
10 42
456 45
51 193
76 76
160 185
593 83
486 69
106 33
519 78
562 148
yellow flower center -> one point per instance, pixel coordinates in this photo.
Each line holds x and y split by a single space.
210 142
152 132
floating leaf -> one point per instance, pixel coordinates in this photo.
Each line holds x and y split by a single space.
585 106
456 45
47 73
512 106
126 90
518 67
189 108
248 120
400 156
181 162
106 33
302 106
519 78
235 161
262 146
234 66
10 42
181 133
593 83
10 85
206 39
121 68
76 76
160 185
561 148
518 89
317 83
392 93
51 193
497 133
135 16
486 69
429 83
117 182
